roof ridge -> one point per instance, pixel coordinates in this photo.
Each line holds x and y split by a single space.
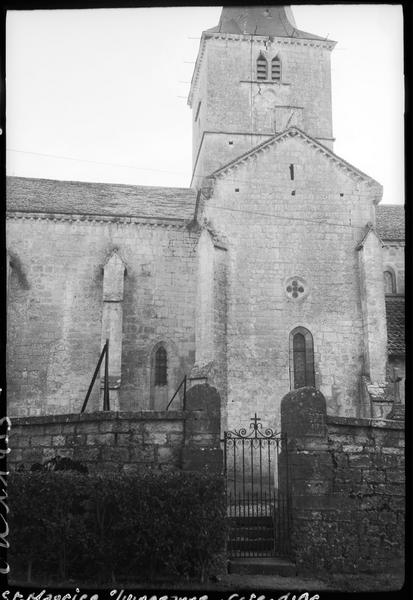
90 183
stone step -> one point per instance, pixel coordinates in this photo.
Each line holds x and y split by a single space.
251 533
262 566
257 545
250 521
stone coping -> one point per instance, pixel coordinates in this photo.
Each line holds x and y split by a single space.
146 415
178 415
363 422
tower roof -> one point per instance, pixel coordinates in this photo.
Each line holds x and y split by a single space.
277 21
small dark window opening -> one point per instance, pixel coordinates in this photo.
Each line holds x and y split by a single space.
276 69
230 143
161 366
293 193
302 358
299 360
341 194
389 286
197 111
292 172
262 68
237 189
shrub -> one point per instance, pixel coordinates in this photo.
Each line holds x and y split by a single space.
101 527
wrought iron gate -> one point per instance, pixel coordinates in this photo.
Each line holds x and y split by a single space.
257 487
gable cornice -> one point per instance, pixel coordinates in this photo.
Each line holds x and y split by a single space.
290 133
236 37
195 74
370 230
165 222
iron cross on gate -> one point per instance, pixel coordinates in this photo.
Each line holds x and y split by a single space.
254 423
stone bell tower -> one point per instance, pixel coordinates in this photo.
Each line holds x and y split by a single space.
256 74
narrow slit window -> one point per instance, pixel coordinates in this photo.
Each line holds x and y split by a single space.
161 366
276 69
262 68
302 358
292 172
299 360
197 111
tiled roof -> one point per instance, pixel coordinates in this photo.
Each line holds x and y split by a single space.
395 324
259 20
390 221
78 197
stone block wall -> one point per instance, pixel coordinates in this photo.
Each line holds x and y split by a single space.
305 83
236 108
347 488
202 446
55 300
102 441
274 235
125 441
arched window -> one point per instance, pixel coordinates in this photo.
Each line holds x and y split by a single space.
262 67
301 358
161 367
276 69
389 282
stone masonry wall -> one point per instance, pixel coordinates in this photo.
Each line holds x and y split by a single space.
126 442
279 228
305 83
234 102
347 488
55 308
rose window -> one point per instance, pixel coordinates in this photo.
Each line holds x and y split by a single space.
295 287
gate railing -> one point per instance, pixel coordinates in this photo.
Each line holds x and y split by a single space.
257 487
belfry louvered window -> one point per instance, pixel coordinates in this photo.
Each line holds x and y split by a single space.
262 67
161 366
276 69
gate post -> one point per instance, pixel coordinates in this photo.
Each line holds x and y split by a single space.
303 422
202 449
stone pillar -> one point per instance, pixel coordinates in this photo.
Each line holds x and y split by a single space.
204 321
373 307
112 319
202 448
303 421
347 488
211 314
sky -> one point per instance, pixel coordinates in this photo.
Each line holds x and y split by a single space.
101 94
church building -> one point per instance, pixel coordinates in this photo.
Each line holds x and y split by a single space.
276 269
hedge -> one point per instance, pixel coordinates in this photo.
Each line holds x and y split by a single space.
66 525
